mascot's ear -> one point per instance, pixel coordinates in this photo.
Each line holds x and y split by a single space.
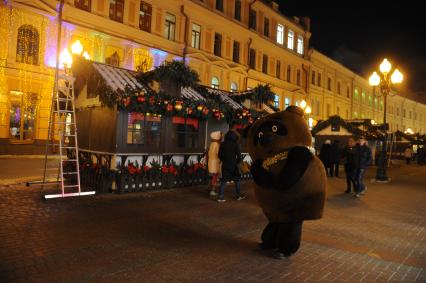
295 109
246 131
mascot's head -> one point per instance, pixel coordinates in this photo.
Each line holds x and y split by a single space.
278 132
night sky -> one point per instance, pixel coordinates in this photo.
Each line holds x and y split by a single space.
359 34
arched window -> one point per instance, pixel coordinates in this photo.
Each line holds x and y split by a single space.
234 87
27 47
215 82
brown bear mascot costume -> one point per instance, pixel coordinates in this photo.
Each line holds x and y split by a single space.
290 180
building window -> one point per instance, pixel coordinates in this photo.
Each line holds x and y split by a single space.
143 130
338 87
375 102
329 83
237 13
298 77
381 105
319 80
236 52
27 47
363 96
265 64
290 40
252 59
347 92
145 15
397 111
328 110
186 132
83 4
116 8
252 19
113 60
234 87
289 73
215 83
170 27
219 5
409 114
266 27
347 114
196 34
356 96
276 101
217 44
300 44
278 69
370 100
287 102
23 111
318 107
338 110
280 34
313 77
355 114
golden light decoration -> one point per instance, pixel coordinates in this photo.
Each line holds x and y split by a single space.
178 107
303 104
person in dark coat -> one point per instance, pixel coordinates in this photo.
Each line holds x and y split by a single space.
230 155
334 158
349 165
325 155
363 158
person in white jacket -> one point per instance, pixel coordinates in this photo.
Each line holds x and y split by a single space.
213 161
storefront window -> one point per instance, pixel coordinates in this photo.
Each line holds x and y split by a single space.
186 132
23 111
143 130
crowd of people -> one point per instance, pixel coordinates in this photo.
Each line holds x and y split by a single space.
356 156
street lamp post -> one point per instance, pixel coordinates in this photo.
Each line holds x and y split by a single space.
307 110
384 84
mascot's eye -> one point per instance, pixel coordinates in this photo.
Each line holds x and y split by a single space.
274 128
260 134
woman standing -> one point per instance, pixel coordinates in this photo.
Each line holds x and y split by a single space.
213 161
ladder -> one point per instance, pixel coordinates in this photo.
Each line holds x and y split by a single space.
62 137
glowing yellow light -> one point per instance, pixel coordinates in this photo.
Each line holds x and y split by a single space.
397 77
303 104
65 58
77 47
374 79
308 110
385 66
86 55
373 122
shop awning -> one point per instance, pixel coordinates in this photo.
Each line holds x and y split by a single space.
191 94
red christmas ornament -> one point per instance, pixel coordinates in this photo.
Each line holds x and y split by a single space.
169 107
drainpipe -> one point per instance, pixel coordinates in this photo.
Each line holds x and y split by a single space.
306 69
248 63
248 53
182 10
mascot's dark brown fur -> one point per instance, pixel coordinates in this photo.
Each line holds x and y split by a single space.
290 180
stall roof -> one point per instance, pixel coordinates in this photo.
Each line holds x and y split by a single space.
117 78
191 94
224 96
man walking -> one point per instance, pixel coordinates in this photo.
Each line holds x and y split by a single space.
349 165
363 157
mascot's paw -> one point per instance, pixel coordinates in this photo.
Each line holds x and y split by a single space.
260 176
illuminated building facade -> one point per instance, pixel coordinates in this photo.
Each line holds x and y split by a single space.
233 45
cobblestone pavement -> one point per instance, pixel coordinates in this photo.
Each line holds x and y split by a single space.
182 236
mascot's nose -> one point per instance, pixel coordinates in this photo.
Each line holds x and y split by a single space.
265 140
